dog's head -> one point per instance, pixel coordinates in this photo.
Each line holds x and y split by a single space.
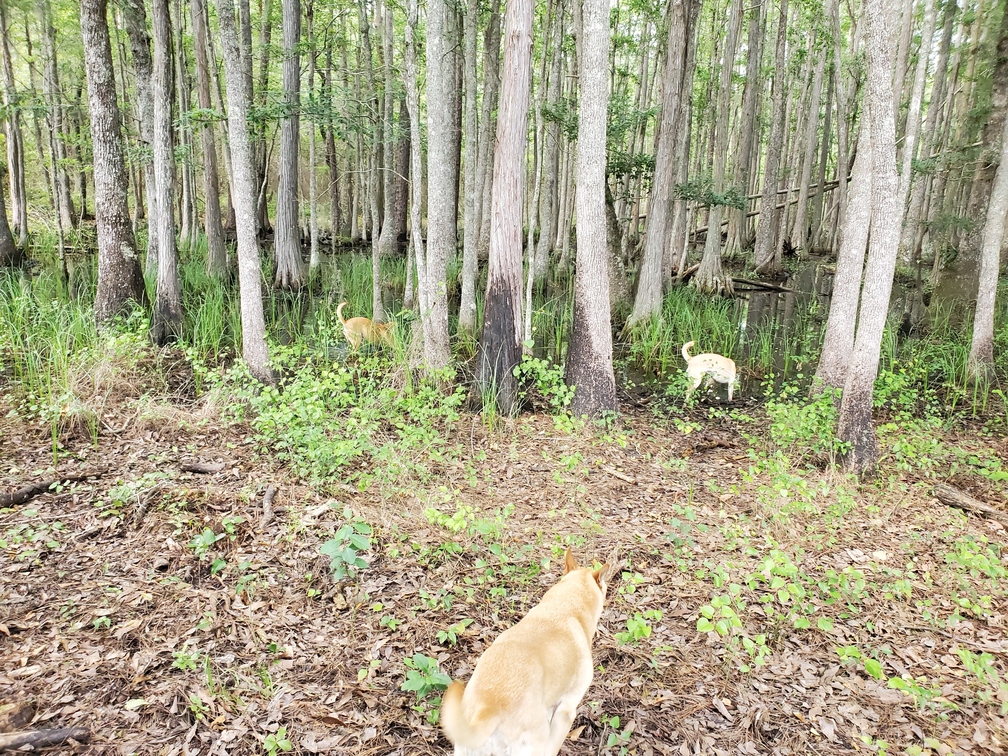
599 577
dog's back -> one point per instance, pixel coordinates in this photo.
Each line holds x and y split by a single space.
522 697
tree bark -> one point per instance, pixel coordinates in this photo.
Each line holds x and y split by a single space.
135 17
261 92
189 226
254 349
710 276
441 207
290 269
800 230
10 255
838 342
166 320
388 242
589 357
15 140
764 253
54 100
313 257
648 301
488 127
740 232
855 427
119 278
377 309
500 342
981 356
416 173
551 150
216 252
913 122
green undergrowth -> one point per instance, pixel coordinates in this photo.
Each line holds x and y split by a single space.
361 421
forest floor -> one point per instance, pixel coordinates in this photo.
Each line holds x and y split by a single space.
848 616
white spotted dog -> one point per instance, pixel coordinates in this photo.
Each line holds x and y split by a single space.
712 366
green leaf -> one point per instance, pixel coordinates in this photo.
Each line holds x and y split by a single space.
825 624
874 668
704 625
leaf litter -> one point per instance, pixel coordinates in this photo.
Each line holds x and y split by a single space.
112 619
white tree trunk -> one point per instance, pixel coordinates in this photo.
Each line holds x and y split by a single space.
855 426
254 349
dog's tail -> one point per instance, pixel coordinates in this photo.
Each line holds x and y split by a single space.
460 730
339 312
685 350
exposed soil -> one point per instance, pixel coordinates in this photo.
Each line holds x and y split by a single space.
93 615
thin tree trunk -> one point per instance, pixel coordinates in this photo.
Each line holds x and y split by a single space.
710 276
819 195
313 259
10 255
166 321
551 148
500 343
800 230
589 358
441 210
416 160
764 252
254 349
739 225
981 356
261 91
216 252
377 309
189 225
649 287
290 269
54 100
389 239
855 426
913 121
488 127
15 140
119 278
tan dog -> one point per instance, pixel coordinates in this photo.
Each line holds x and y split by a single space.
359 330
522 698
721 369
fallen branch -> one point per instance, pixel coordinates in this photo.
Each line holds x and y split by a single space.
687 274
203 468
617 474
952 497
27 493
43 738
762 285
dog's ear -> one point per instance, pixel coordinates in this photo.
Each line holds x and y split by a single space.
570 563
601 576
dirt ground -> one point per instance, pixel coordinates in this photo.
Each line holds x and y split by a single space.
112 621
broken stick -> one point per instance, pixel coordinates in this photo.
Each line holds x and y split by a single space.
43 738
29 492
202 468
953 497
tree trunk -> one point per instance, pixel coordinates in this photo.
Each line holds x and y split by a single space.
135 17
377 309
855 426
254 349
313 258
648 301
10 255
119 278
216 252
500 343
838 342
290 269
909 244
166 320
261 92
54 100
764 253
981 356
187 211
913 121
488 127
710 277
36 120
388 242
15 140
470 220
800 230
589 356
551 150
217 90
441 210
739 225
416 172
